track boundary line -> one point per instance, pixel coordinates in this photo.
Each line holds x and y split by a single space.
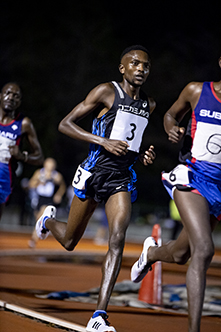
42 317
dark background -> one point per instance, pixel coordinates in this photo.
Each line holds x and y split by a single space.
58 51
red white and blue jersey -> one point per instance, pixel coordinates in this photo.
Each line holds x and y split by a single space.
204 170
10 134
206 126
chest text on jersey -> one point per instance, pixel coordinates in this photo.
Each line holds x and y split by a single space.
210 114
133 110
8 135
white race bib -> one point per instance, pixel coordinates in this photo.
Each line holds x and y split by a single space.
207 142
80 178
130 128
179 175
5 155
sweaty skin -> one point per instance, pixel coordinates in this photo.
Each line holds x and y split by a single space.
195 239
134 67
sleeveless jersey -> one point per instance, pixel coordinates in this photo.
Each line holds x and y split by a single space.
206 126
47 186
204 170
10 134
126 120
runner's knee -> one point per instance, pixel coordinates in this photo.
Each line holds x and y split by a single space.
69 245
181 257
116 242
204 251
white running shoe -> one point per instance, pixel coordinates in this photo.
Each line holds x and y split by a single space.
99 323
41 230
142 266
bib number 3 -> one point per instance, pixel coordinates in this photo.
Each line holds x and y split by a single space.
80 178
129 127
134 127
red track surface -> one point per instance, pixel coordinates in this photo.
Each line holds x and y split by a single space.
24 273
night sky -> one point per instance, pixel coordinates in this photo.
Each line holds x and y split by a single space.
58 52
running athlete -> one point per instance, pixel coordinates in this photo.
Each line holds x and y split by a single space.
49 187
196 189
13 127
106 175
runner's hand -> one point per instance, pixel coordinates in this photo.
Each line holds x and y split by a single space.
119 148
176 134
15 152
148 156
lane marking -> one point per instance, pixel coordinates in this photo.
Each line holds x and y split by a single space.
42 317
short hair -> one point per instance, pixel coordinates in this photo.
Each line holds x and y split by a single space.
133 48
15 83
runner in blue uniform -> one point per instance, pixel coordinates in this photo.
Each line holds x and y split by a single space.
13 127
196 189
106 175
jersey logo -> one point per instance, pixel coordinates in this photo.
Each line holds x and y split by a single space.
14 127
144 104
133 110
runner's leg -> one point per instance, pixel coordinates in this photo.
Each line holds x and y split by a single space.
68 234
194 212
118 211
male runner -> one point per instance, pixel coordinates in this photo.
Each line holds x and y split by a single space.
14 127
49 187
122 114
196 189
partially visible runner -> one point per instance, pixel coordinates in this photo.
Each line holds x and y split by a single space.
122 113
50 187
196 189
14 126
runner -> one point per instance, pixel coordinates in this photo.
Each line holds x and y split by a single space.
196 189
106 175
13 128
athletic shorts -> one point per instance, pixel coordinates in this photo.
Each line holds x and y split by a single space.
5 183
3 198
183 178
101 183
43 200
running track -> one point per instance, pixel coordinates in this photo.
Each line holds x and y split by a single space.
25 272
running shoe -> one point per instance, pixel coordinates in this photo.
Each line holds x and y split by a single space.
41 230
99 323
142 266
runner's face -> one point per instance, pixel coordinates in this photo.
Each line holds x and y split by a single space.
135 67
10 97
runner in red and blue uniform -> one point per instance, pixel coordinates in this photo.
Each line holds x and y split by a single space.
13 127
196 189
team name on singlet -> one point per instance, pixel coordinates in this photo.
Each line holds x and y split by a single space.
210 114
134 110
8 135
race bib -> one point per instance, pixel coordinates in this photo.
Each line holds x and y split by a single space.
5 155
130 128
80 178
179 175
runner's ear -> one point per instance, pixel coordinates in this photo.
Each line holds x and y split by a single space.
121 68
